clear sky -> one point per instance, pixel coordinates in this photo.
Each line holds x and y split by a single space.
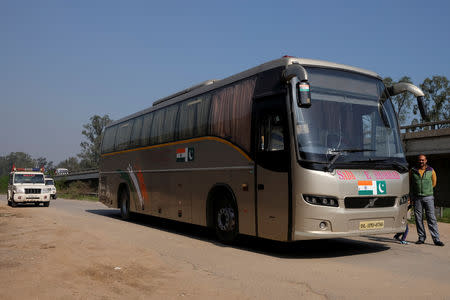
62 62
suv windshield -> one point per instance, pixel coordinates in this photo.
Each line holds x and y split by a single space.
28 178
49 182
351 122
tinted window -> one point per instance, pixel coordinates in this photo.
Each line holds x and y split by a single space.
123 135
156 128
146 128
109 139
170 118
136 132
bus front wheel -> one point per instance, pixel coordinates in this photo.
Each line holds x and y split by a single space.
124 204
225 219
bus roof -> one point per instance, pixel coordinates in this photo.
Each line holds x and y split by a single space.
214 84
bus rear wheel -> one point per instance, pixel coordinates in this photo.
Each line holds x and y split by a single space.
225 219
124 204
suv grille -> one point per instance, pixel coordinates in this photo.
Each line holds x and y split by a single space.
369 202
32 191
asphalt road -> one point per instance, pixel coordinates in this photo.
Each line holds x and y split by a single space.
83 250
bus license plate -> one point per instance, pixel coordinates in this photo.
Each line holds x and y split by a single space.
369 225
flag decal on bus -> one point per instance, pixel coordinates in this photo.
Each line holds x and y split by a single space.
367 187
185 154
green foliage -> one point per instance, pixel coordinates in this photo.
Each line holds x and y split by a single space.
403 103
70 164
21 160
4 183
76 190
90 153
437 98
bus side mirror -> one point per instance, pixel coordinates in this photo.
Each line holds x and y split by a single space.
301 92
402 87
297 76
422 109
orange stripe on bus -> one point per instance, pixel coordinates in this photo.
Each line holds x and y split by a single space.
208 138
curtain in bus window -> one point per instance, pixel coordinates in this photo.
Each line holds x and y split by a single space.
108 139
231 113
144 140
123 135
170 118
186 124
136 132
193 119
202 115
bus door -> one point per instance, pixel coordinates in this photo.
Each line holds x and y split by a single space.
271 151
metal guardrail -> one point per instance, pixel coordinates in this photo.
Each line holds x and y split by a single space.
426 126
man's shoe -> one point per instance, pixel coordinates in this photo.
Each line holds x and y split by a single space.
438 243
419 242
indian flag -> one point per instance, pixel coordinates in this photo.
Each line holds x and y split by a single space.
370 187
182 154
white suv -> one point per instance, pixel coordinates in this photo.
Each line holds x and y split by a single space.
28 186
49 182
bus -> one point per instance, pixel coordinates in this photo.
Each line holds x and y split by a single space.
292 149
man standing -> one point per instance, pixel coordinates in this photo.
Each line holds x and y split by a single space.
422 181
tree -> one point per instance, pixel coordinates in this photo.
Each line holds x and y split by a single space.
90 153
18 159
70 164
437 98
42 162
402 102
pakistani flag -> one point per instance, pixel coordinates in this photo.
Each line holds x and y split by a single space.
371 187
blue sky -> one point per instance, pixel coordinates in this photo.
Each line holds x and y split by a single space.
62 62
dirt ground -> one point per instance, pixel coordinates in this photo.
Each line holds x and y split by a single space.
65 253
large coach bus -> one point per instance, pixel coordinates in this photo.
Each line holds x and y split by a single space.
289 150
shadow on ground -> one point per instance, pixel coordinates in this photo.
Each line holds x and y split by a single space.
338 247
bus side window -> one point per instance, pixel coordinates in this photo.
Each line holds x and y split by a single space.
146 128
109 138
271 133
123 135
136 132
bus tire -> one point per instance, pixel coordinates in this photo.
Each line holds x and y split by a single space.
124 204
225 219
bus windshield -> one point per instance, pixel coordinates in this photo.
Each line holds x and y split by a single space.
351 121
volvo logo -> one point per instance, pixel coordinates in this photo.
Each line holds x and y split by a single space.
371 202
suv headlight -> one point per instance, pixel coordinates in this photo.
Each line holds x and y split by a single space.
19 190
46 190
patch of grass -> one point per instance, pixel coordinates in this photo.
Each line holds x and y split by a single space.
446 216
4 183
77 190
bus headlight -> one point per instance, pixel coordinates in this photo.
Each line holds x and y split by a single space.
321 200
404 199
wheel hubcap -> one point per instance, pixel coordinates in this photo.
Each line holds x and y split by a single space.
226 219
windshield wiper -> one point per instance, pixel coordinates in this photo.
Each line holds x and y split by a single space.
338 153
